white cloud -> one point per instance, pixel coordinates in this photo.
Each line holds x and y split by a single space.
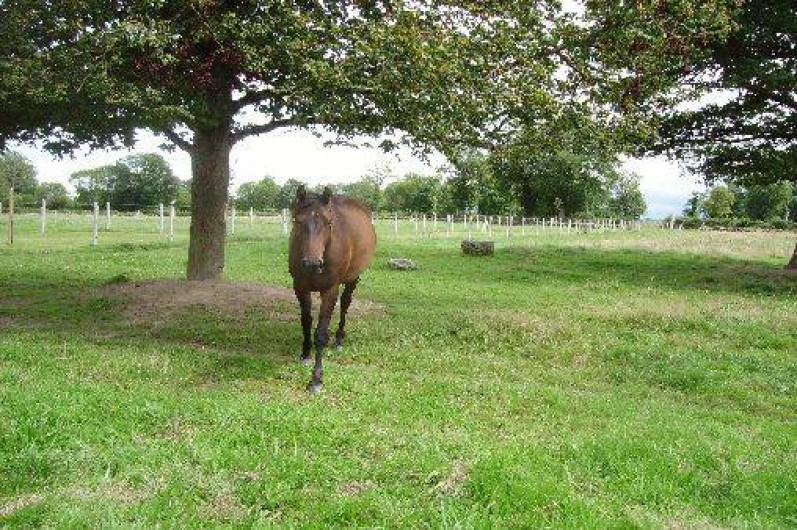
283 155
664 184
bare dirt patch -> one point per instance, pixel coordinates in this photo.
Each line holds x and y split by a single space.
153 301
9 506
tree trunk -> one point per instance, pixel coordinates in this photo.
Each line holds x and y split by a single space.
210 168
793 261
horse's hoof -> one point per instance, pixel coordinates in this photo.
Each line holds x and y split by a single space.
307 361
314 388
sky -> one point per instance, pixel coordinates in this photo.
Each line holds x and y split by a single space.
299 154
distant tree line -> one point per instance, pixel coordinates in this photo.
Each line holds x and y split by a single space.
756 205
18 173
133 183
557 186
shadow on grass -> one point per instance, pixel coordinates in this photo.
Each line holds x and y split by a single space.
645 269
240 344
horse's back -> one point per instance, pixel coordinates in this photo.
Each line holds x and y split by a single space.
356 231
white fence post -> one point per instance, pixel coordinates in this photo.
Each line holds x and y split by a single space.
43 217
232 221
95 224
107 216
251 217
172 215
284 221
395 225
10 222
160 218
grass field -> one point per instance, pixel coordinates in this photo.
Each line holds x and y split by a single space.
610 379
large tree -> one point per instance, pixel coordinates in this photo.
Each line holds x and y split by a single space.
207 73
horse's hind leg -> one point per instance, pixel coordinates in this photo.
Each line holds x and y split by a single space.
329 299
345 302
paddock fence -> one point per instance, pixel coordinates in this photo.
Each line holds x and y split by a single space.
164 224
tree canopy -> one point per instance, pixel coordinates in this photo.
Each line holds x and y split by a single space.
746 130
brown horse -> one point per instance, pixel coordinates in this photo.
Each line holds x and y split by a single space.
332 241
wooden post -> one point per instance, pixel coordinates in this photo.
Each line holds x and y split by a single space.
10 223
95 224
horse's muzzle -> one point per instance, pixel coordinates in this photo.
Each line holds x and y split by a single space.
313 265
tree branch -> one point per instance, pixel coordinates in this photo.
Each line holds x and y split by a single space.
255 97
264 128
177 140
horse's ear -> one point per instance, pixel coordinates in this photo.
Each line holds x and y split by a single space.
327 195
301 193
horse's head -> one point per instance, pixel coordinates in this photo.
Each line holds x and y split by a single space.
312 227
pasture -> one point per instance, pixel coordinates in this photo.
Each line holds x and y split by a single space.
606 379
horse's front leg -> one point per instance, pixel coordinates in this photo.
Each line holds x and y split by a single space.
306 306
328 300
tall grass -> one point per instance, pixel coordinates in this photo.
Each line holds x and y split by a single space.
608 379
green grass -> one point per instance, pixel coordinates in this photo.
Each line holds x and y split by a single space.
610 379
